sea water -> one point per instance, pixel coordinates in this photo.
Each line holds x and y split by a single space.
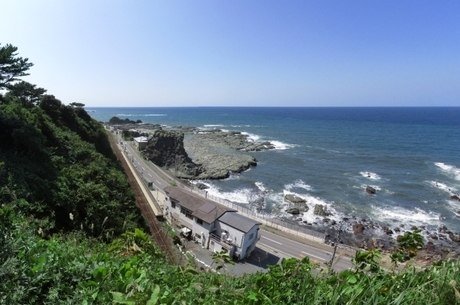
328 156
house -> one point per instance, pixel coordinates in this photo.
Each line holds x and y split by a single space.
236 230
140 142
212 225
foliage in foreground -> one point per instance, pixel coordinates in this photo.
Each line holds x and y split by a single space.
73 269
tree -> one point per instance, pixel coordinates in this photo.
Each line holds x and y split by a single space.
27 93
408 243
11 66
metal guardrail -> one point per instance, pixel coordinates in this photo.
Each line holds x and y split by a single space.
265 219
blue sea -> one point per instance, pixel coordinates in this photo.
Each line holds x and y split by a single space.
411 156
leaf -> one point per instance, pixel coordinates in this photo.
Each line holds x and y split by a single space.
154 297
352 279
120 298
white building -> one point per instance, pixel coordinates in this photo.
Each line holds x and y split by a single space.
212 225
141 142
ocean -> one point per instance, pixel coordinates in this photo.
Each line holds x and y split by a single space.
328 156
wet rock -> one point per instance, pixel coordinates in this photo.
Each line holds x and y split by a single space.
201 186
397 230
294 199
358 228
455 197
442 229
371 190
433 236
387 231
293 211
455 237
321 210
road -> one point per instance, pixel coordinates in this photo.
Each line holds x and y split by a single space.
285 247
276 244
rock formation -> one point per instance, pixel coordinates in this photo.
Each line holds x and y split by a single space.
370 190
166 149
294 199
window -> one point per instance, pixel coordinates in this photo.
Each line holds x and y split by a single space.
173 204
186 212
251 236
199 221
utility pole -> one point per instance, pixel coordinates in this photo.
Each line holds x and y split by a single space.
337 240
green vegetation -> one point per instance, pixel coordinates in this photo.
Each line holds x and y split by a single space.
69 229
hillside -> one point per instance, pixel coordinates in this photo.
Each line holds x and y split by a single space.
70 232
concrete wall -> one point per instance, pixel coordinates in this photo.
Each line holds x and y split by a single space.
249 242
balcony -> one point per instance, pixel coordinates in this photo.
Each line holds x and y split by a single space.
227 244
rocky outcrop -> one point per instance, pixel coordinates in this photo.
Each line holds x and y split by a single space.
321 210
117 121
234 139
358 228
166 149
371 190
294 199
293 211
217 158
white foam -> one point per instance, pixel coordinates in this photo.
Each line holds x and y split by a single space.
251 137
244 195
443 187
370 175
240 126
213 125
281 146
311 202
376 187
398 215
261 187
449 169
299 183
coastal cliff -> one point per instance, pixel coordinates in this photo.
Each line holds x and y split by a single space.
193 154
166 149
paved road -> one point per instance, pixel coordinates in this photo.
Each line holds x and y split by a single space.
285 247
276 244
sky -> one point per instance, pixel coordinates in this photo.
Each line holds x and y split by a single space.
240 53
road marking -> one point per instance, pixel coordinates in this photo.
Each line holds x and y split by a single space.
312 255
272 240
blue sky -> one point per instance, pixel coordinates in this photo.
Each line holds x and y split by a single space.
240 53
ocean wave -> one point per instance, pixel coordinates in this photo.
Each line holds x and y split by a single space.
281 146
251 137
376 187
243 195
145 114
213 125
240 126
299 184
449 169
261 186
370 175
399 215
443 187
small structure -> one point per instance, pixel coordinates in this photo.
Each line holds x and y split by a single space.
140 142
238 232
212 225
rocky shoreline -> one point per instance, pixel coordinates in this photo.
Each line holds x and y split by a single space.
197 154
364 233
